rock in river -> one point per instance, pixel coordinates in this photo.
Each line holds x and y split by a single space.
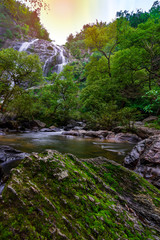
145 159
8 154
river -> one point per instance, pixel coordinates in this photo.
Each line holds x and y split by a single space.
80 147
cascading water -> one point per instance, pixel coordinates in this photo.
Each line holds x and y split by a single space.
50 53
26 45
60 60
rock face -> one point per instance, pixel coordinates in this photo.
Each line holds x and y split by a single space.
55 196
145 159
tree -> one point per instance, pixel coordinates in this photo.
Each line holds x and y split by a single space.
103 39
56 102
36 5
17 70
146 38
128 74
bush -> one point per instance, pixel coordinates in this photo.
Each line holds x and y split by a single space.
9 34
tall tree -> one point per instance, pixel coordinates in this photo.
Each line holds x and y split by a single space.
17 70
103 39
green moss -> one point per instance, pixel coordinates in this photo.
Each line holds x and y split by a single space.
54 196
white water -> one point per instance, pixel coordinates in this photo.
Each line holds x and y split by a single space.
61 58
1 188
26 45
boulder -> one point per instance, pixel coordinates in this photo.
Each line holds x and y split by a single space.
150 119
87 134
54 129
40 124
145 159
104 134
8 154
55 196
127 137
145 132
45 130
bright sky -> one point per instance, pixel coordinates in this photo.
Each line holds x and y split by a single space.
69 16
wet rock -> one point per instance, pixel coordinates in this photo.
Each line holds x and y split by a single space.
40 124
145 132
150 119
104 134
10 154
45 130
54 129
2 133
74 125
145 159
127 137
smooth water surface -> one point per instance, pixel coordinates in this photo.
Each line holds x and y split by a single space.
80 147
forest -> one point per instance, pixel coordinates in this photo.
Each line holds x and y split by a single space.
89 98
113 78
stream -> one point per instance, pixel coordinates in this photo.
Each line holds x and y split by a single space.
80 147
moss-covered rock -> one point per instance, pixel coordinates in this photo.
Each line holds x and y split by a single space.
55 196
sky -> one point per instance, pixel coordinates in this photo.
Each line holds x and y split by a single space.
69 16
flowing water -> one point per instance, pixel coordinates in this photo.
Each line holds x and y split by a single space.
26 45
60 58
81 147
63 61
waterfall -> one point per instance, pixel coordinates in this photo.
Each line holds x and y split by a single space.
50 53
26 45
63 60
60 59
48 63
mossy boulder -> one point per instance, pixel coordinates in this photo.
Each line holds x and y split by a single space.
55 196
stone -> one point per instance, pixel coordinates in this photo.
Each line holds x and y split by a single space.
127 137
10 154
40 124
150 119
45 130
145 159
145 132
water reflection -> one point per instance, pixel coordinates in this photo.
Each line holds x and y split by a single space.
81 147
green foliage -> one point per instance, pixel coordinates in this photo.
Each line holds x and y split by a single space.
28 22
17 70
9 34
153 99
25 29
127 116
57 102
21 104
